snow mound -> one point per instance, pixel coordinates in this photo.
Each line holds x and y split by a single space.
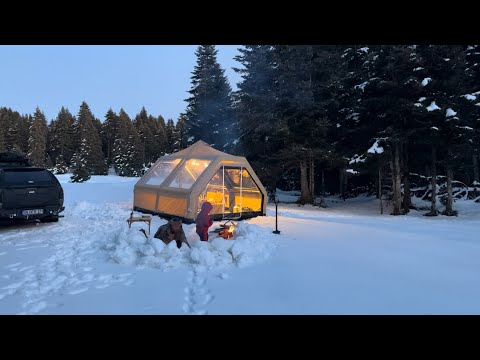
252 244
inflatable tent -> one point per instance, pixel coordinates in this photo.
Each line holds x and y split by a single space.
178 185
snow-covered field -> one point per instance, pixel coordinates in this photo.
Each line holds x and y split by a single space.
344 259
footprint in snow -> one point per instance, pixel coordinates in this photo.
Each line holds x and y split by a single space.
39 307
187 308
188 291
12 286
208 299
78 291
103 286
200 281
11 266
32 247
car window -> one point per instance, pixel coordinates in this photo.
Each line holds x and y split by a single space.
19 177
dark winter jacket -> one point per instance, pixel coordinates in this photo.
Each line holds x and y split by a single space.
203 221
166 234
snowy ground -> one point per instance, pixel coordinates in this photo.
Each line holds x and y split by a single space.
344 259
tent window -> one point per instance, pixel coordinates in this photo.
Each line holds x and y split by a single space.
189 173
161 171
232 191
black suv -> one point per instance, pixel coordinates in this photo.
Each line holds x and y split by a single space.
28 192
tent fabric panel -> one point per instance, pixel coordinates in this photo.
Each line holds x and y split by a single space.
144 199
172 205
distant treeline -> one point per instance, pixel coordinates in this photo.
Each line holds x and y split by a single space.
321 119
69 143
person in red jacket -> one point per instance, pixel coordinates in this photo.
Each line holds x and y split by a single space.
203 221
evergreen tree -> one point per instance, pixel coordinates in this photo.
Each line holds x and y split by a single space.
469 107
170 131
209 110
442 69
37 141
89 144
352 132
127 152
79 173
160 144
20 143
3 126
109 131
61 148
147 129
307 87
12 135
180 134
255 108
389 94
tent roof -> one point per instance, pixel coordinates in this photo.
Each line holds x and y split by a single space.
201 150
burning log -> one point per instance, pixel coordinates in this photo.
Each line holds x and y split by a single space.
226 231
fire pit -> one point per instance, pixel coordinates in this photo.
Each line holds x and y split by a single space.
226 230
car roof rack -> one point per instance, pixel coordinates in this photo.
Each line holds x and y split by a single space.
11 159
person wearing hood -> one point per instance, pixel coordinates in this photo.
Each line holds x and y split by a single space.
203 221
172 231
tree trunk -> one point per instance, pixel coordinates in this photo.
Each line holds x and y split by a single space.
345 181
305 193
109 153
449 207
392 170
312 176
407 198
398 180
395 166
323 181
433 207
380 188
341 174
475 168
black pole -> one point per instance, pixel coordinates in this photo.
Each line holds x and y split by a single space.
276 216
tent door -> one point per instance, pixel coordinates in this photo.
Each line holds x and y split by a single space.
232 216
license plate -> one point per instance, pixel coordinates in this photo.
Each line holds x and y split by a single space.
32 212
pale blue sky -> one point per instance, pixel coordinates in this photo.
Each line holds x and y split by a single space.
128 76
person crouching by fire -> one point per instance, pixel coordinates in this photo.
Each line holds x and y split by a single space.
172 231
203 221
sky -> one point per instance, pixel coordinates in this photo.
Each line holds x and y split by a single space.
342 259
105 76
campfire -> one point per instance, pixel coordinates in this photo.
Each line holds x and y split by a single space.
226 230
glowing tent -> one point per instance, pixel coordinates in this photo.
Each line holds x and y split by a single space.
178 184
